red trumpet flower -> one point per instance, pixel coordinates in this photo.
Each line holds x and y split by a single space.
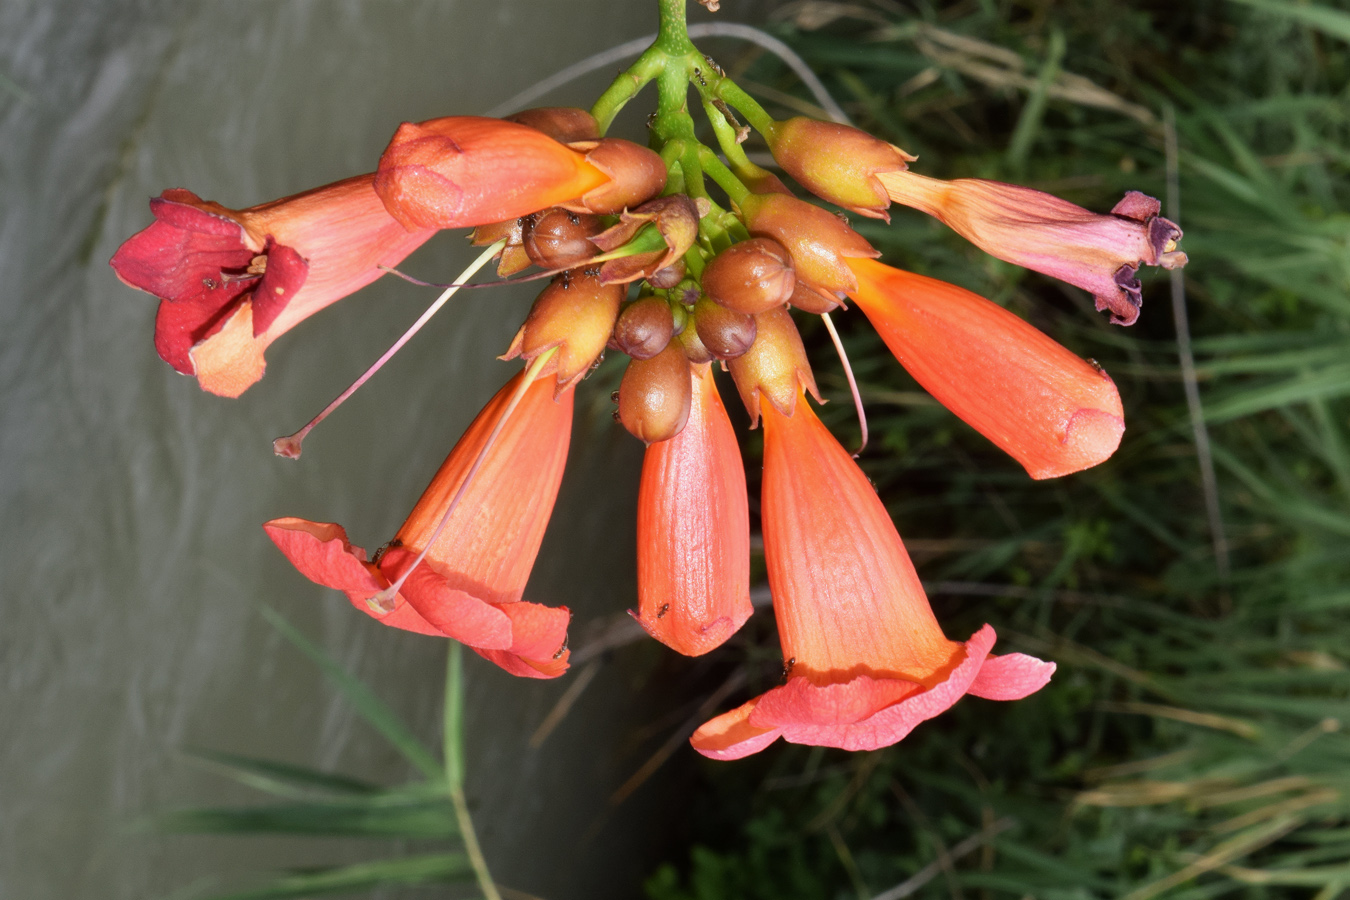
1050 410
866 661
469 585
693 530
230 282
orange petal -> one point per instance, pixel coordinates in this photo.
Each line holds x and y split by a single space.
1051 411
731 736
322 553
693 530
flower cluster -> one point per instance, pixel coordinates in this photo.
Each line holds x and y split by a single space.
643 259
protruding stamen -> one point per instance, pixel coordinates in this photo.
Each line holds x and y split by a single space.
289 446
852 382
386 599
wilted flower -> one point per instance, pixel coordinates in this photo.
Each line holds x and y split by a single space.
470 584
230 282
865 660
1099 253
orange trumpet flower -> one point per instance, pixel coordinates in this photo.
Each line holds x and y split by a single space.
693 530
465 171
866 661
469 585
230 282
1050 410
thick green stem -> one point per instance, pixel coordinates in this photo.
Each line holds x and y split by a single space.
673 37
454 768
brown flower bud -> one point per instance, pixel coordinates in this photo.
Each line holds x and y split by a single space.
817 239
565 124
575 313
725 332
635 174
810 300
557 239
839 163
667 278
513 258
644 327
751 276
775 367
655 395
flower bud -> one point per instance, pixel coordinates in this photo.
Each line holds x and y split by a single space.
751 276
775 366
644 327
557 239
655 395
575 313
725 332
693 347
635 174
513 258
464 171
838 163
810 300
818 240
667 278
565 124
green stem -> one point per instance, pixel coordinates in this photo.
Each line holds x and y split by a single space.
454 768
719 173
729 91
673 38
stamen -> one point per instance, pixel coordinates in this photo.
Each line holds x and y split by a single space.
385 600
289 446
852 383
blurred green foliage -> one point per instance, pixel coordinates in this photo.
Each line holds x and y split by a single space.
1196 740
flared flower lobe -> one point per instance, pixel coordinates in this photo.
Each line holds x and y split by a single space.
465 171
1098 253
866 660
470 584
1050 410
693 530
230 282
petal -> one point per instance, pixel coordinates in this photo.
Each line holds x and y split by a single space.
322 553
285 276
693 530
731 736
1051 411
452 612
539 641
230 361
804 719
1011 677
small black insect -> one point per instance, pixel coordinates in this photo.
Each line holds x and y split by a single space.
665 608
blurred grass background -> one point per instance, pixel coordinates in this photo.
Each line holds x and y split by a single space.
1196 740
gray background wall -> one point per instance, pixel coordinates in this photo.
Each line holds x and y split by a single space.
130 500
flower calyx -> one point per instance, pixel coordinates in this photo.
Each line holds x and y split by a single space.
673 218
838 163
775 367
575 314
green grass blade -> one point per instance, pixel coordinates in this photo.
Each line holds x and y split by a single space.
280 779
425 819
1328 21
359 694
409 870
